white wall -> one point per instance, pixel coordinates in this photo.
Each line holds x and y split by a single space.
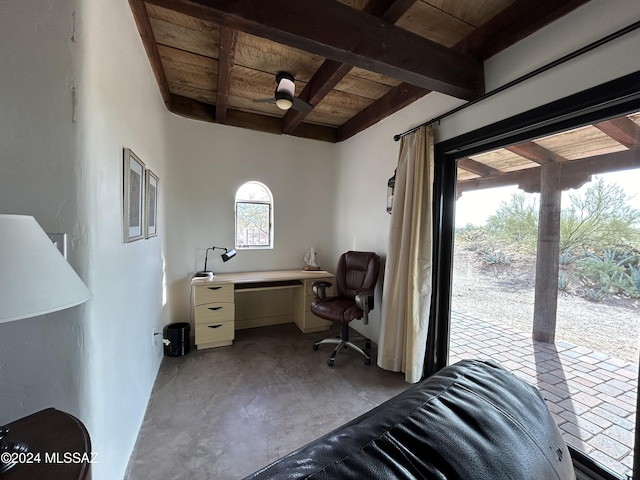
371 156
119 106
587 24
41 358
61 161
208 163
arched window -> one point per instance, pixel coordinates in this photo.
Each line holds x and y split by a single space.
254 216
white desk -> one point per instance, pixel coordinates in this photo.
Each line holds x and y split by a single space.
233 301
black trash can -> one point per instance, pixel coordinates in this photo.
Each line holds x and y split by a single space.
179 339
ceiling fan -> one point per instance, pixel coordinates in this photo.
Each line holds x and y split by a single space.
284 96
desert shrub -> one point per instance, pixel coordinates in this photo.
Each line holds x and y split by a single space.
567 257
593 294
596 218
516 221
472 233
492 256
606 274
563 282
634 273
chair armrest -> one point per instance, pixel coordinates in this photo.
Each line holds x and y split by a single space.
364 301
320 288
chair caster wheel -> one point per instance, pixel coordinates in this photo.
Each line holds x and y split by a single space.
367 345
315 347
330 362
367 361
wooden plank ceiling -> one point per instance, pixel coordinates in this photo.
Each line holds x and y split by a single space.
355 61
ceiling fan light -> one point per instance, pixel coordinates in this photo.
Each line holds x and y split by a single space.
284 101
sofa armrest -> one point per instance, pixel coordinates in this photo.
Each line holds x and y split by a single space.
320 288
471 420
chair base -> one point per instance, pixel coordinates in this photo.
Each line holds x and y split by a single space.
343 342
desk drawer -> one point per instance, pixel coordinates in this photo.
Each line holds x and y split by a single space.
213 293
214 332
215 312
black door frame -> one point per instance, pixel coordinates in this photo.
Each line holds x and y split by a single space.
610 100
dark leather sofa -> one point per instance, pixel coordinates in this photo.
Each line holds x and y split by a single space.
472 420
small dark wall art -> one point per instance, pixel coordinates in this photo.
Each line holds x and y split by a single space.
151 187
133 197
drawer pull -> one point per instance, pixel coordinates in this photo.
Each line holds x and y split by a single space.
214 326
214 288
214 308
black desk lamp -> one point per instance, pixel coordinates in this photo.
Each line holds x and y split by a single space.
226 256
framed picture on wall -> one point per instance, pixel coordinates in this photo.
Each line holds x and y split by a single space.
133 197
151 189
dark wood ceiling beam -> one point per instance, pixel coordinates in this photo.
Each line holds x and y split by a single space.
527 180
477 168
264 123
573 173
228 39
190 108
322 82
141 17
331 72
316 132
503 30
517 21
484 40
194 109
336 31
390 11
536 153
622 130
394 100
607 162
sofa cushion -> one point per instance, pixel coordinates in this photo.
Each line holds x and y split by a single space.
471 420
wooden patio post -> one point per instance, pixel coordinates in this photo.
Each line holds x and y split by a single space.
546 290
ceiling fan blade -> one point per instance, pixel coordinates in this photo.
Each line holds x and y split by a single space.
301 105
264 100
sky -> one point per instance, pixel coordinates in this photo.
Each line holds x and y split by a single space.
475 207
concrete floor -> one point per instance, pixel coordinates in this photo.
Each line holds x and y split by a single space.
224 413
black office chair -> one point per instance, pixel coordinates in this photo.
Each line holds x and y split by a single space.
356 278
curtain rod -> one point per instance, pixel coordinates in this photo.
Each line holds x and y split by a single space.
548 66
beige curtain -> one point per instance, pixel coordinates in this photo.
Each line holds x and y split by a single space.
406 297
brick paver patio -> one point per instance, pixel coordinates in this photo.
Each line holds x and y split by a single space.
591 395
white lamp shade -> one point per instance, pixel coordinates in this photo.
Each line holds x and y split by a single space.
35 278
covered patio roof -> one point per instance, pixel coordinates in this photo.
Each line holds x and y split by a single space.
607 146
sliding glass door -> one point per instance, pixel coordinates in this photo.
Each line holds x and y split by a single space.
539 251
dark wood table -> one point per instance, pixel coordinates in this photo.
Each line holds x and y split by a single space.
59 447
